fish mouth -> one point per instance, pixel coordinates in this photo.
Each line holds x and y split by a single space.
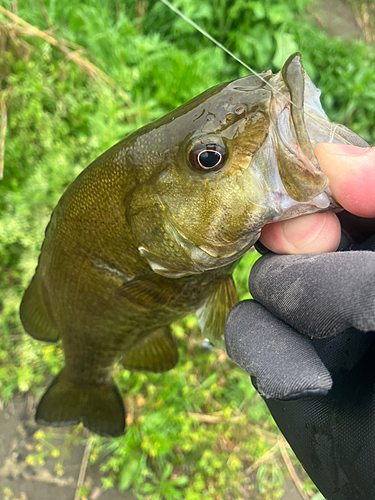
298 166
299 123
297 185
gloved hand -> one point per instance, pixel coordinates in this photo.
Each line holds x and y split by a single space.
308 341
310 336
317 295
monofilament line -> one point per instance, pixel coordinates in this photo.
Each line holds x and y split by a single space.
222 47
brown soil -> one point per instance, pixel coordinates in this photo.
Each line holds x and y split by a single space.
22 481
336 18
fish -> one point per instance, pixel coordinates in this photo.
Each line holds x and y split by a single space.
152 230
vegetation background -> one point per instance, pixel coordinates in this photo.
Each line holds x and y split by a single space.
94 72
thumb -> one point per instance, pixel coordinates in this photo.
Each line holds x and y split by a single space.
352 174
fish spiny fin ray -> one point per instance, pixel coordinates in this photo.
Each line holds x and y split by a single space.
148 292
99 407
156 353
34 314
211 316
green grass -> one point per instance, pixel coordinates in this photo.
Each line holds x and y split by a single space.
194 432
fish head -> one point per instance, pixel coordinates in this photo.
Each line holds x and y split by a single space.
222 166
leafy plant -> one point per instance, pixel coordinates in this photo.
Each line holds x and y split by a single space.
166 487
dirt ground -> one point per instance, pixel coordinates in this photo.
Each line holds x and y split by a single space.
336 18
22 481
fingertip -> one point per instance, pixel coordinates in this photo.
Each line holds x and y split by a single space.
351 171
315 233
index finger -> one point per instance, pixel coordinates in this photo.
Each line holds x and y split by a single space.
351 171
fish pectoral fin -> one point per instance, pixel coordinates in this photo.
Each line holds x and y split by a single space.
211 316
99 407
34 313
149 292
156 353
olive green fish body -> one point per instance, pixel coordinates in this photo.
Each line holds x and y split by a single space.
93 290
152 230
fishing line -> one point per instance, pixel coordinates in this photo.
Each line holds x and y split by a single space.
222 47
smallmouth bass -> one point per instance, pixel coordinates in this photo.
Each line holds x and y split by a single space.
152 230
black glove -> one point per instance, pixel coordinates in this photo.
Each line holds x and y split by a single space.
310 334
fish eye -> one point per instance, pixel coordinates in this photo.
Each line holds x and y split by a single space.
207 157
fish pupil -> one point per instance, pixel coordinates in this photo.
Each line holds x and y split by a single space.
209 159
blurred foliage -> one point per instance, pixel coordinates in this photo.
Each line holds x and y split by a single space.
60 118
200 425
364 11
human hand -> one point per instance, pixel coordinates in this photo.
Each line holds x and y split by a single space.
352 174
308 338
317 295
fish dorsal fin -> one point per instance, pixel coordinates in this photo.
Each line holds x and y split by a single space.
34 313
156 353
211 316
149 292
